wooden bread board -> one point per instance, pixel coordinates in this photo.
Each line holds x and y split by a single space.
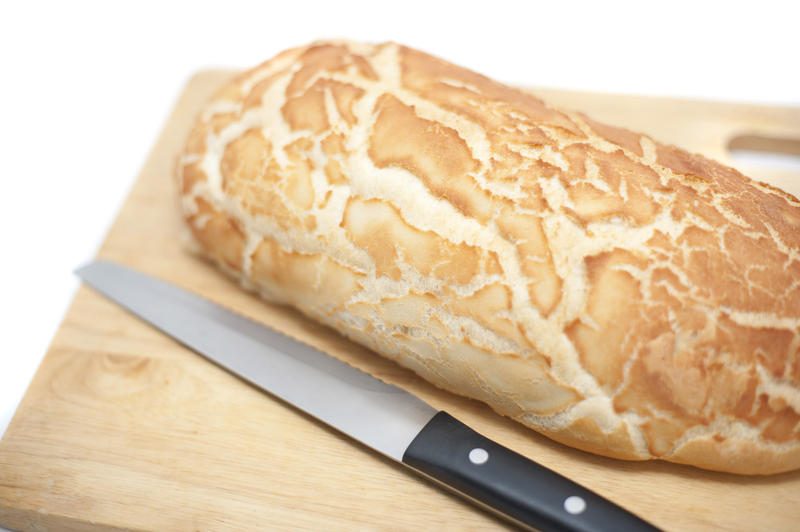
123 428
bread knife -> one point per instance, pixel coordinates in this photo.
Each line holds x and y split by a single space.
381 416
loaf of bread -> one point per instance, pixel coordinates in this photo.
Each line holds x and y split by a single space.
613 293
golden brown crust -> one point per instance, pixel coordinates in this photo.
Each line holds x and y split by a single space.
616 294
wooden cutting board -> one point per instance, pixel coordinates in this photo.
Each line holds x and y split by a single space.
123 428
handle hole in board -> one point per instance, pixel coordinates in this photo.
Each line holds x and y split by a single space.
759 150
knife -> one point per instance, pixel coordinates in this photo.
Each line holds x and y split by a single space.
379 415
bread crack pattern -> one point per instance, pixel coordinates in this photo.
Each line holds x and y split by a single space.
613 293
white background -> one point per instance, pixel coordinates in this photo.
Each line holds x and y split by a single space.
86 87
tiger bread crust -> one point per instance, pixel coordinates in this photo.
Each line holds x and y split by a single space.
613 293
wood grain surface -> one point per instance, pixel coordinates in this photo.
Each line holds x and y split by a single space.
124 429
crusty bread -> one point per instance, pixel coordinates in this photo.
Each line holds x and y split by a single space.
616 294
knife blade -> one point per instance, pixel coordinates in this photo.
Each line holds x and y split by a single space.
381 416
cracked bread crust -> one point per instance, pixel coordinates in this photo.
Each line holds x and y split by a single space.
616 294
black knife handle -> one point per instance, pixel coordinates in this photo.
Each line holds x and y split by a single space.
511 484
